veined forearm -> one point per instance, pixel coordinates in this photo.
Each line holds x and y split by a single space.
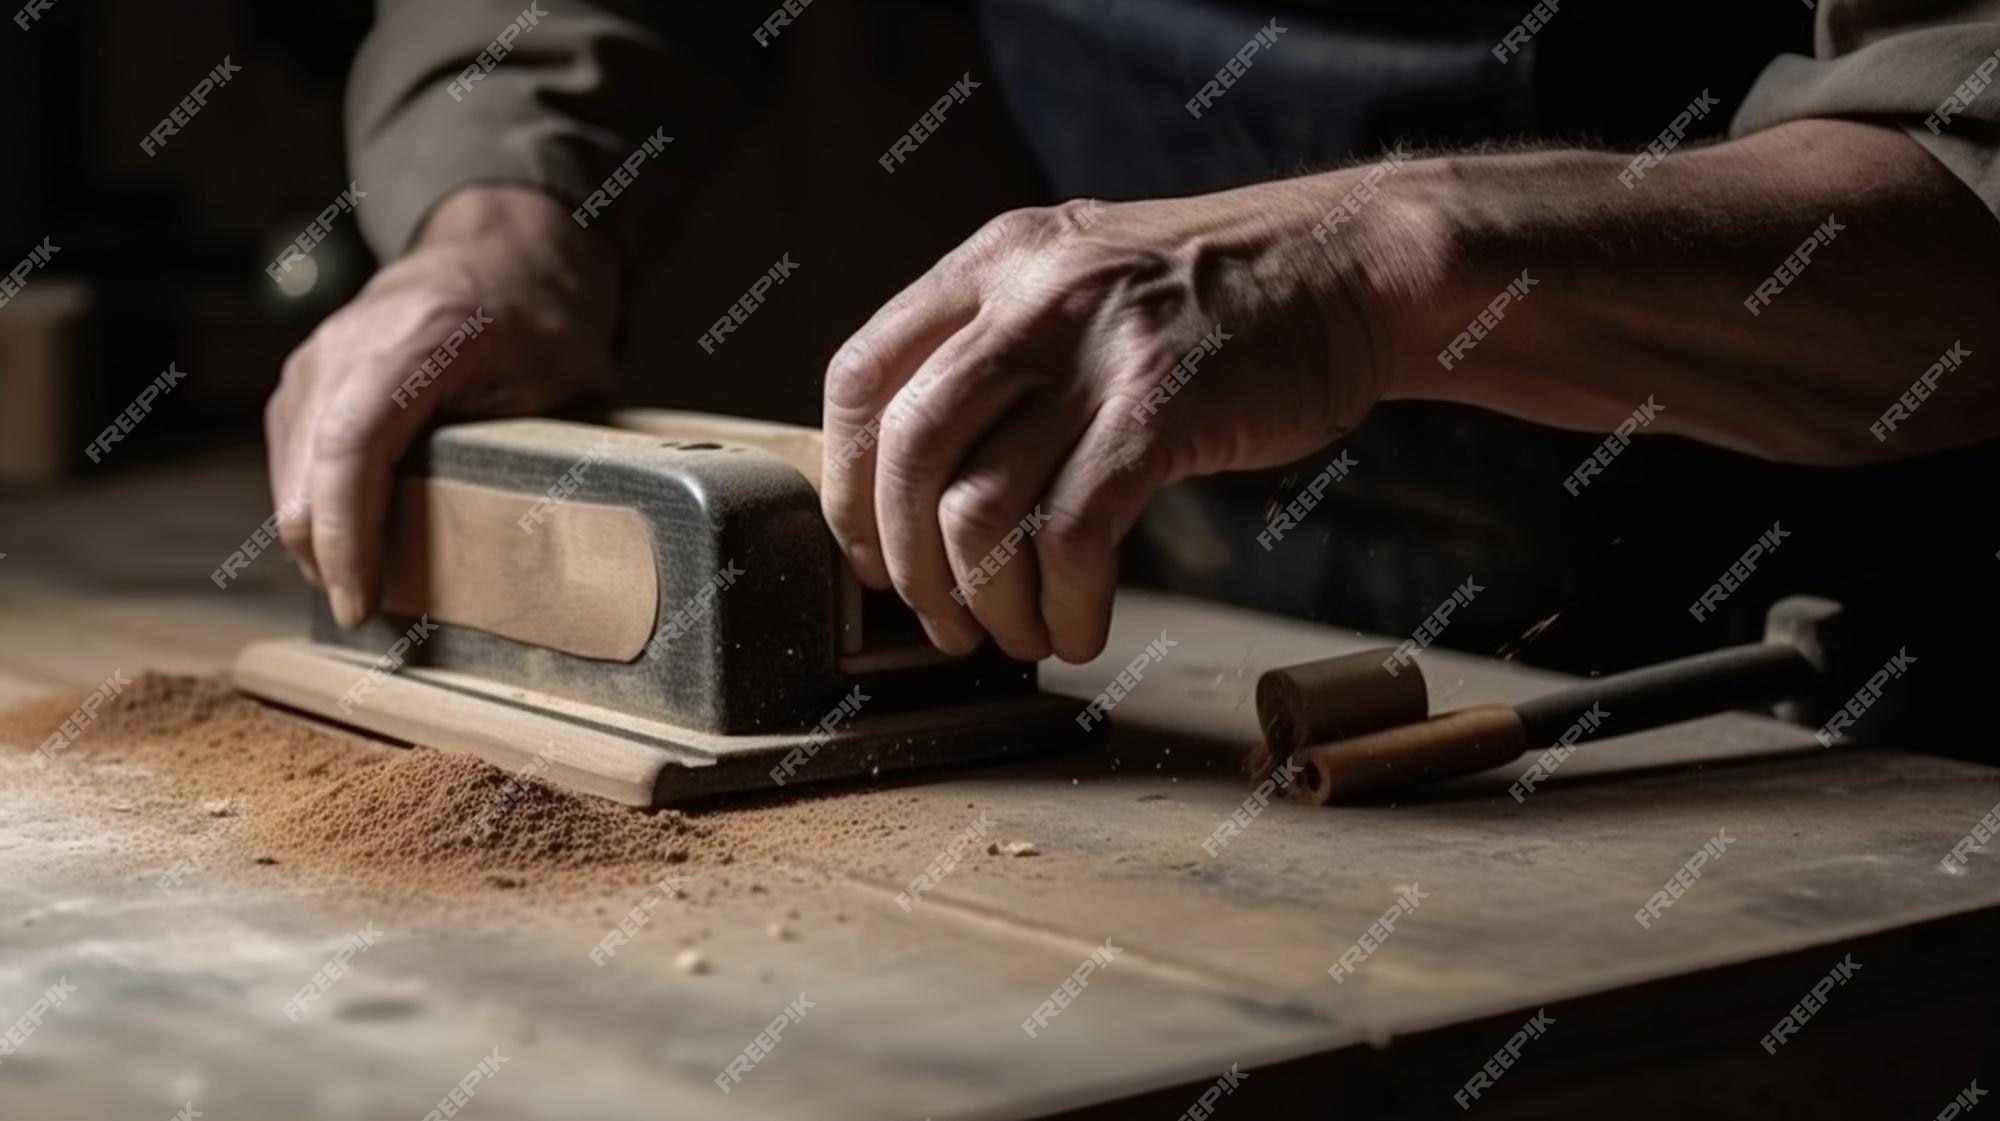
1775 294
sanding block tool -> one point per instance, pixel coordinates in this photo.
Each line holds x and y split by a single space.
651 610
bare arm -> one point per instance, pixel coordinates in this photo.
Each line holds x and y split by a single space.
1062 365
1643 291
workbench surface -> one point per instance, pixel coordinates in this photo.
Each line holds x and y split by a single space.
1223 960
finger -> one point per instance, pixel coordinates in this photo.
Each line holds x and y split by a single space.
287 450
989 515
357 439
864 376
1094 501
962 390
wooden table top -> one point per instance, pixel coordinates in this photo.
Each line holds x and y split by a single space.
1221 959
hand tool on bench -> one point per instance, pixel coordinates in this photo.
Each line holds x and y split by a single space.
1331 699
1802 649
656 610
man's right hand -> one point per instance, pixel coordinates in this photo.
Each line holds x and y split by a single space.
508 261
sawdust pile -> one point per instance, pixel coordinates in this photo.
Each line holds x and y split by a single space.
275 795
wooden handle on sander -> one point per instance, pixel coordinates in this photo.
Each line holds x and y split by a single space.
1457 743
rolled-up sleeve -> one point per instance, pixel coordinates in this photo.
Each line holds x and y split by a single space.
450 93
1926 65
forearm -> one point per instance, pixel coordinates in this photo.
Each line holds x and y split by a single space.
535 229
1641 293
448 95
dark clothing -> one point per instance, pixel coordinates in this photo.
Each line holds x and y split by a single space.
1441 493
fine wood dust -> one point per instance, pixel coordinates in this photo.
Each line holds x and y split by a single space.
285 796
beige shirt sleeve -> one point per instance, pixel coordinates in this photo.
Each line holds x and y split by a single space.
1926 65
449 93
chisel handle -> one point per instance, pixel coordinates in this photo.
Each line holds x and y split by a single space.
1457 743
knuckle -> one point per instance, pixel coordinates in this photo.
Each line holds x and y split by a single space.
973 514
912 435
854 377
340 432
296 533
1071 539
1011 229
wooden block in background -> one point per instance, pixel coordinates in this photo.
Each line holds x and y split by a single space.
41 370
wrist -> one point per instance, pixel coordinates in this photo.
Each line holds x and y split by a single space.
527 232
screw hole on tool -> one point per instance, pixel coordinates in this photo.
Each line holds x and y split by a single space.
701 447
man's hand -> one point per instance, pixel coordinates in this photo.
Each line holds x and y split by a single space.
532 298
1018 380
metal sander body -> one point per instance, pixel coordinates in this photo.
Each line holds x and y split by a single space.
672 588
